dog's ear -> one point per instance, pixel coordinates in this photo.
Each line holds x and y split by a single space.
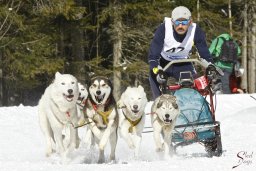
140 87
175 105
154 105
174 102
159 104
120 103
57 74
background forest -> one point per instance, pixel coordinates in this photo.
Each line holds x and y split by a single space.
110 37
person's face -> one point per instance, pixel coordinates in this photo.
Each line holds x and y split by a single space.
181 25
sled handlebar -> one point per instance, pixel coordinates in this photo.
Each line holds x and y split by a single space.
200 61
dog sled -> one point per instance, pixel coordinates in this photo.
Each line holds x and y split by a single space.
196 122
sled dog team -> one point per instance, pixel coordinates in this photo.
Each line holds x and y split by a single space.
67 103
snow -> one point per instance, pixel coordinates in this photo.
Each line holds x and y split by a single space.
22 145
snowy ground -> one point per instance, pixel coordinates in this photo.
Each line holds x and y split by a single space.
22 144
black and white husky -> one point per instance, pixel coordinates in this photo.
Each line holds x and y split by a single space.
81 101
101 112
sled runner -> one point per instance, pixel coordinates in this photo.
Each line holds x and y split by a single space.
196 122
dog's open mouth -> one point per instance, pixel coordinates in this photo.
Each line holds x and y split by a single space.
80 98
69 97
99 98
168 121
135 111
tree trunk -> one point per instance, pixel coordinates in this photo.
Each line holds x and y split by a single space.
252 63
117 52
244 54
230 18
1 79
198 12
77 48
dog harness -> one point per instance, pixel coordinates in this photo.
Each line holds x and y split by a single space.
105 115
67 114
133 123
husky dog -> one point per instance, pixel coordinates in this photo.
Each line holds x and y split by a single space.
81 101
164 114
56 109
132 117
102 115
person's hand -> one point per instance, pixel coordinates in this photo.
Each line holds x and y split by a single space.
161 77
240 91
213 70
213 74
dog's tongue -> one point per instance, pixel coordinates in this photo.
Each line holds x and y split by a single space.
69 97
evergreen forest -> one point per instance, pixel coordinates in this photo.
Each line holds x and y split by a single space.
103 37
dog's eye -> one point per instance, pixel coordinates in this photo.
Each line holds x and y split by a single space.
82 89
163 107
139 98
72 82
103 85
94 85
62 83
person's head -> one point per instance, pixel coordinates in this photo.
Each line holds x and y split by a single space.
181 18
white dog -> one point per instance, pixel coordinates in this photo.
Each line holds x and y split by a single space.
132 117
164 114
56 109
102 116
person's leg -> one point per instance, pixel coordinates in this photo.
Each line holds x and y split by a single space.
154 86
225 82
173 71
183 71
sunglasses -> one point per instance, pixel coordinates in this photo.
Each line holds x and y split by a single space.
184 22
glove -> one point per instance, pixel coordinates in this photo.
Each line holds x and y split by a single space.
214 76
161 77
213 70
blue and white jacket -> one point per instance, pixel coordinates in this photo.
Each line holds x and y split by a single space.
168 44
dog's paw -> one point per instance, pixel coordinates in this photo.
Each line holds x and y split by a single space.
101 160
49 152
131 146
159 149
65 160
101 126
92 123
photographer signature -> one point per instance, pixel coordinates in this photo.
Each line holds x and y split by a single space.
244 158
